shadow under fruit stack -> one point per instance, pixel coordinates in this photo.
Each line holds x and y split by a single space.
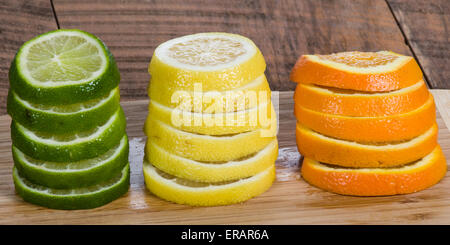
366 124
211 125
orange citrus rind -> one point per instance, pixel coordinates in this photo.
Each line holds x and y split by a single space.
413 177
353 154
370 129
353 103
362 71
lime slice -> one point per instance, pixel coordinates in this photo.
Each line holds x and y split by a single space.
216 60
78 198
71 146
65 118
63 67
183 191
72 174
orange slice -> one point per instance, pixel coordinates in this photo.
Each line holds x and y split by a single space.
362 71
353 154
353 103
416 176
370 129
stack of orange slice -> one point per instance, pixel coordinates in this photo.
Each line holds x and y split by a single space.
366 124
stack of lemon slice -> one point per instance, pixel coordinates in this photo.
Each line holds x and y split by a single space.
366 124
211 125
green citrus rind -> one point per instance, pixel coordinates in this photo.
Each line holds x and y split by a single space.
65 93
73 174
79 198
62 122
90 145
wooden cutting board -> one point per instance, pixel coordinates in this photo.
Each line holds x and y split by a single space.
289 201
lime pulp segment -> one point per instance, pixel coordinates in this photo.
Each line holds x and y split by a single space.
78 198
63 67
73 174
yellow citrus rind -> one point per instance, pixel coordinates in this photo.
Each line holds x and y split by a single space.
207 147
231 76
214 123
211 172
172 189
241 98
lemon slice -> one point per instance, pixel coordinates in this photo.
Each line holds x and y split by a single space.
193 193
218 61
206 147
212 171
240 98
92 196
215 123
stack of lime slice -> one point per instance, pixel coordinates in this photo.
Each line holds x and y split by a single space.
70 148
211 125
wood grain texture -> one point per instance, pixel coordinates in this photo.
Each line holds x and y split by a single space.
442 100
20 20
426 27
283 29
289 201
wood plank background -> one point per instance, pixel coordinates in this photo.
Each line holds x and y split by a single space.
20 21
425 26
282 29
